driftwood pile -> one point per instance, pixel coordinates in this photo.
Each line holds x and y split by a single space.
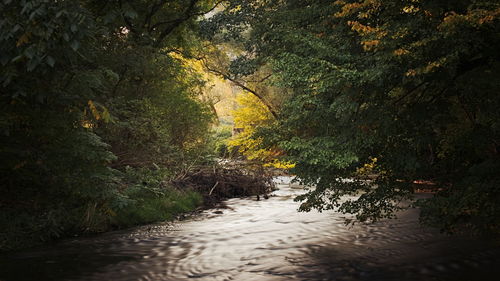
223 182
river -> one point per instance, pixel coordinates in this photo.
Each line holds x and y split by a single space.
263 240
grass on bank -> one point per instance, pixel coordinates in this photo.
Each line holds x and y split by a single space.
151 205
142 197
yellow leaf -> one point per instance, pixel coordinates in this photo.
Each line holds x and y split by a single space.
94 110
23 39
400 52
370 44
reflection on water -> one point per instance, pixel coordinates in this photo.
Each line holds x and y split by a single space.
262 240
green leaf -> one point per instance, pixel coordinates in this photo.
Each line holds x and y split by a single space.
131 14
18 58
50 61
32 64
75 45
16 28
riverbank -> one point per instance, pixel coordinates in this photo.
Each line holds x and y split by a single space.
146 197
140 205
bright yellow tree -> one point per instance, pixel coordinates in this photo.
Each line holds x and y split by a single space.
252 114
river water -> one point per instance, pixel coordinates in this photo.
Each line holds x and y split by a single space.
263 240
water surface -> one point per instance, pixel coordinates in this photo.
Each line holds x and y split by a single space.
263 240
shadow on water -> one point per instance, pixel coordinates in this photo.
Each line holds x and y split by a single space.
387 252
61 267
263 240
63 261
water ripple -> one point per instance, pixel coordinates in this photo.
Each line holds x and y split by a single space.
263 240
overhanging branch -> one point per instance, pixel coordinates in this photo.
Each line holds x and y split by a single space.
244 87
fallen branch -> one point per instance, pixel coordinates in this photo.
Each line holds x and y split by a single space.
226 182
211 190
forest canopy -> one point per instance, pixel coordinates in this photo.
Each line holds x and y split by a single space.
96 114
412 84
104 103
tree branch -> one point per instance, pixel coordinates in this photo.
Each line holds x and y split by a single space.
154 9
242 86
410 92
128 23
187 15
261 80
173 24
176 23
233 80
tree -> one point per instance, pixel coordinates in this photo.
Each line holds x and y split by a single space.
86 88
250 115
410 83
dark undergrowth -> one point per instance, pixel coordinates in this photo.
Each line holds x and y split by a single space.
142 196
